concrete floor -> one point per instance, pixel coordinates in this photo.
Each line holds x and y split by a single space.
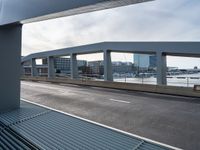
168 119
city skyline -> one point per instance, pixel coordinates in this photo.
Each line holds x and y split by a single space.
153 21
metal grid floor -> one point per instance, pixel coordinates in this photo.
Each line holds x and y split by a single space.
35 127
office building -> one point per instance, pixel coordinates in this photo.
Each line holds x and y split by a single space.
144 61
62 64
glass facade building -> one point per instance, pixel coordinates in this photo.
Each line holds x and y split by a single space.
144 60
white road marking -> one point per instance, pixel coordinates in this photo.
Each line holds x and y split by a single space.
120 101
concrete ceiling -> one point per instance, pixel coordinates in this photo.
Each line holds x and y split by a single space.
26 11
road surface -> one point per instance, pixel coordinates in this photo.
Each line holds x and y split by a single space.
168 119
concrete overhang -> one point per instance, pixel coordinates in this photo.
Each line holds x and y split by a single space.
26 11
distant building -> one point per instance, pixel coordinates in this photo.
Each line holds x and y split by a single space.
96 67
81 63
145 61
93 68
122 67
26 68
62 65
152 61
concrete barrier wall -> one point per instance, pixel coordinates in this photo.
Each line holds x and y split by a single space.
172 90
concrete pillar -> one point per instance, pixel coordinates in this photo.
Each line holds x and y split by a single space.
51 68
34 71
161 68
10 66
108 75
73 66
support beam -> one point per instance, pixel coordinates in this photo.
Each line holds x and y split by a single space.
73 66
51 68
10 61
34 71
108 75
161 68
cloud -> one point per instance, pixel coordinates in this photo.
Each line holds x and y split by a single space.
159 20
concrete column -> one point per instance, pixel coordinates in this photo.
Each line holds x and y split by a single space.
34 71
51 68
161 68
73 66
108 75
10 66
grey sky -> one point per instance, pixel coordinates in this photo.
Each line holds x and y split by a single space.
160 20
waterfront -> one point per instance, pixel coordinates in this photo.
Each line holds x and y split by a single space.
186 80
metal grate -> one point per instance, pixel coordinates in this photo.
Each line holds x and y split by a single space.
26 111
46 129
9 139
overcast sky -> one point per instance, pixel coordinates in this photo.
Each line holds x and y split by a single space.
160 20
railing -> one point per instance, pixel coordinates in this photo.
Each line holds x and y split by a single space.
183 81
171 80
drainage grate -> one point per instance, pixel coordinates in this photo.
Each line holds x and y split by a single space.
26 111
10 139
34 127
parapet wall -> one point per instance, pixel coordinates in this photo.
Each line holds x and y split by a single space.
171 90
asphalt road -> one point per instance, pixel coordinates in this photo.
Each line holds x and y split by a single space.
168 119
